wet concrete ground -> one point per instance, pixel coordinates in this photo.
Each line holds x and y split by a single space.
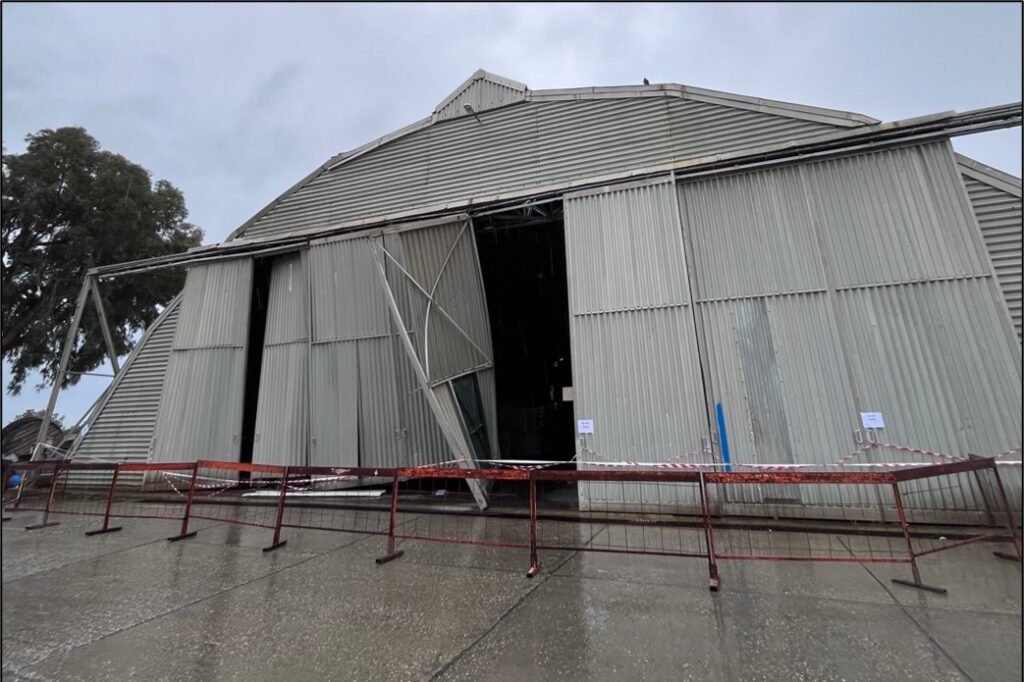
131 606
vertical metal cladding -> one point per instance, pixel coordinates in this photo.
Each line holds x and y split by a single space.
281 435
200 413
875 283
433 272
123 424
997 207
751 234
635 366
447 309
525 145
895 216
927 356
353 391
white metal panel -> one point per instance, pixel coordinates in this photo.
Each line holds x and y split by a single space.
123 424
899 215
998 211
353 389
281 435
544 143
636 371
201 407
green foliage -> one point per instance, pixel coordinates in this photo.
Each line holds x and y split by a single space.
68 206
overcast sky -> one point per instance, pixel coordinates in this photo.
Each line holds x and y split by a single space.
234 103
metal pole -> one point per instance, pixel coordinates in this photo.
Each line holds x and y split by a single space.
278 542
391 554
110 503
188 508
58 380
1009 518
49 501
534 558
709 536
916 582
107 338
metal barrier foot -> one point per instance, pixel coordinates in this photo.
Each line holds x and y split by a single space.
182 536
390 557
534 568
43 525
8 518
101 531
1006 555
713 584
920 586
274 546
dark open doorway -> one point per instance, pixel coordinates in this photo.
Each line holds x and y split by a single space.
522 258
258 304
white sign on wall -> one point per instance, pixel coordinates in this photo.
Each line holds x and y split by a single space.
584 425
872 420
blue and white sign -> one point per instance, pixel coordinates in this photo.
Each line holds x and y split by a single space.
584 426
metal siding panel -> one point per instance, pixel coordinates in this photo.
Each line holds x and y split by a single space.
895 216
201 408
635 367
347 301
442 260
334 405
531 144
926 356
215 305
482 94
379 426
932 356
393 175
752 234
124 426
701 129
281 420
999 216
626 250
280 436
200 413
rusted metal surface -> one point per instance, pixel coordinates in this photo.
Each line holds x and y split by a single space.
277 497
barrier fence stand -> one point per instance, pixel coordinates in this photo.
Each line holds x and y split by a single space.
709 534
336 499
1010 525
46 523
278 542
756 512
916 582
391 554
106 528
438 505
188 508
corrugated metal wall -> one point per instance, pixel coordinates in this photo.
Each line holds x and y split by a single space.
481 94
531 144
849 285
434 275
123 425
353 387
281 435
998 211
201 407
635 366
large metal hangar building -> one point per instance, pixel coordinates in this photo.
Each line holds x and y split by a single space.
702 276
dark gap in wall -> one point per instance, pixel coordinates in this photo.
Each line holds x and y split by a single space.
254 354
522 259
